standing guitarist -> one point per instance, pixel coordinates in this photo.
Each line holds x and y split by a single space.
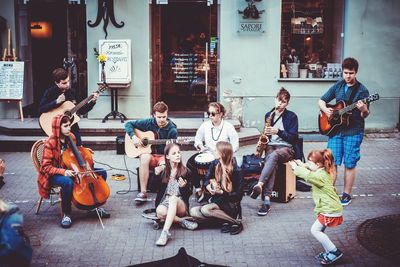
61 92
163 128
345 144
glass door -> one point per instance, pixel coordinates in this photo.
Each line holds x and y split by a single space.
184 55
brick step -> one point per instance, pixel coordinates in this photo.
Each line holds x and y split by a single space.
10 143
30 127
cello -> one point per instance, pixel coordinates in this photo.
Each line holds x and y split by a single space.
90 190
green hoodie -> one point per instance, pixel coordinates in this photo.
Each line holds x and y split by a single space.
324 193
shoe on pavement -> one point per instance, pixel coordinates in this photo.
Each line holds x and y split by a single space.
257 189
141 197
189 225
320 256
331 257
163 239
236 228
226 228
66 222
345 199
102 212
265 208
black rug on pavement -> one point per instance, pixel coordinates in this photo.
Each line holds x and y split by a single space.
381 236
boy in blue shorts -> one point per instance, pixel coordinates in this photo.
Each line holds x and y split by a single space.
345 144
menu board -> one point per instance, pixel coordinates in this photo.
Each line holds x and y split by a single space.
184 67
118 64
11 80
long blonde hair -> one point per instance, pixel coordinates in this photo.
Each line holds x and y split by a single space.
224 168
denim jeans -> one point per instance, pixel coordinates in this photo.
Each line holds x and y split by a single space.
67 184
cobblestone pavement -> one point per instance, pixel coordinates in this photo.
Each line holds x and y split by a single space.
282 238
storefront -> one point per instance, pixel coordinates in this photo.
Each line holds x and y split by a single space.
191 52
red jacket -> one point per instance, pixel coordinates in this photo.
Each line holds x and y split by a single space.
51 162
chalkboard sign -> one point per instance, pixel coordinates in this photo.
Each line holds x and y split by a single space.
118 64
11 80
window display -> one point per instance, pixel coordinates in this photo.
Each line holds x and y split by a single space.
311 39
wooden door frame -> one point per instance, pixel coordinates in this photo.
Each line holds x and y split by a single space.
156 50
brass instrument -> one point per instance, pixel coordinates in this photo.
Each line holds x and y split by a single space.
264 138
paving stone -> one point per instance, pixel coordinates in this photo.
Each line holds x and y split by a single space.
282 238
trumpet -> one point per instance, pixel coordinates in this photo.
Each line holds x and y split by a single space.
264 138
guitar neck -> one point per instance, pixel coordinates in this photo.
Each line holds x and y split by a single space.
161 141
350 107
81 104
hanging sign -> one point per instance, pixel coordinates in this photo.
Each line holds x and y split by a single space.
251 16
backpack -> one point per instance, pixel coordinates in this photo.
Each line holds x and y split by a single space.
15 248
252 164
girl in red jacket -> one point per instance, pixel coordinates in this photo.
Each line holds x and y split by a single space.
52 174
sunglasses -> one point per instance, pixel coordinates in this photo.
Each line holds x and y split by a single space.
212 113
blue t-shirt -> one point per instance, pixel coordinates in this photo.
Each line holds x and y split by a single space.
338 92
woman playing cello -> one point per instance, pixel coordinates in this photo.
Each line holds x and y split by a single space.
53 174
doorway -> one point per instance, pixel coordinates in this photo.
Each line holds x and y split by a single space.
58 39
184 47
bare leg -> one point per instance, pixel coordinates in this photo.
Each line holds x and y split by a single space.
335 176
144 171
175 207
212 210
195 212
349 178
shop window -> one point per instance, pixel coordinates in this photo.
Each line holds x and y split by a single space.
311 39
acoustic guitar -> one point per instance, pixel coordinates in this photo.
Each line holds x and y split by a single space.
340 116
67 108
148 139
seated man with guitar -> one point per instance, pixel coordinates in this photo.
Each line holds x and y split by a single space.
158 127
59 95
58 169
207 136
347 134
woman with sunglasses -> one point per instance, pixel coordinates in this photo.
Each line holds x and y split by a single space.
207 136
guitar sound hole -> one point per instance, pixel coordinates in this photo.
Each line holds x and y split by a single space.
145 141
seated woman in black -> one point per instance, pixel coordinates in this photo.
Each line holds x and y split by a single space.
224 182
172 200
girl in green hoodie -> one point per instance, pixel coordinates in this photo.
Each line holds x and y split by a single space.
319 171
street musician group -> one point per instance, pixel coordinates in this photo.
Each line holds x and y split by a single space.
213 173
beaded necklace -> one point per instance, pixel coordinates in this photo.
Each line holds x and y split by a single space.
212 132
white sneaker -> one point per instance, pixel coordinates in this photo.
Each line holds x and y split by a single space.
163 239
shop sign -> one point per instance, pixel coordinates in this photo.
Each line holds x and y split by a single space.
118 64
251 16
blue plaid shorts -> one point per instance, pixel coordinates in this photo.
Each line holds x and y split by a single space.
346 149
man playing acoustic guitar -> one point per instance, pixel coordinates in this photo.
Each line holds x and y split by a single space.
163 128
61 92
345 143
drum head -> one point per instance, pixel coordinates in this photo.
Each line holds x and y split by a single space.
204 157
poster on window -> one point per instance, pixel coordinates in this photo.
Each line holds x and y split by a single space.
251 16
118 64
